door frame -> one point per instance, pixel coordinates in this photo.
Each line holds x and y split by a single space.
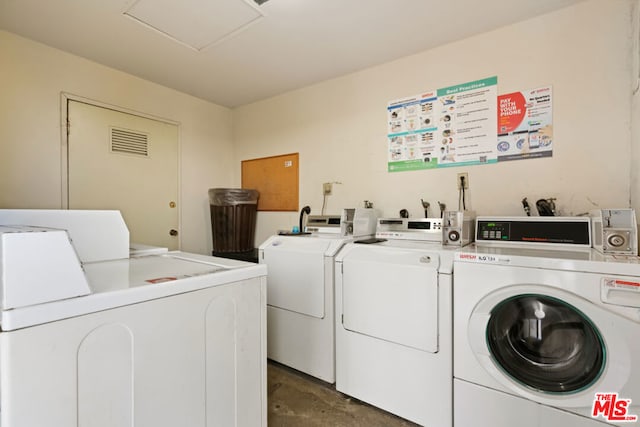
65 97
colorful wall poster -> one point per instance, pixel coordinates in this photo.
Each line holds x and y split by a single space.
453 126
412 123
467 123
525 124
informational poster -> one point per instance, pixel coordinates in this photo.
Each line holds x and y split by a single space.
525 124
453 126
468 120
412 123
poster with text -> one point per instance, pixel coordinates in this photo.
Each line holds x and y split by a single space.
525 124
467 129
453 126
411 127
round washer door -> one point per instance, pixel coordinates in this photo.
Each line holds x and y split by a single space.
545 344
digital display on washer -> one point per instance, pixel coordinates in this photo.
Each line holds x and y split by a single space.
426 224
323 220
562 232
419 225
391 221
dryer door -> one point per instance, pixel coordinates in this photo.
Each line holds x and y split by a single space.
545 343
392 294
296 274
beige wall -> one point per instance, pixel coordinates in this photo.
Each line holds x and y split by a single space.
339 126
635 108
32 77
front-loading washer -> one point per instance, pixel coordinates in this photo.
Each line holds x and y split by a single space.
393 321
545 337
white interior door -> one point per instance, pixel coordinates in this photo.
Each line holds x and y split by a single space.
125 162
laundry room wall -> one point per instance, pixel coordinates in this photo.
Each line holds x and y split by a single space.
339 126
635 107
32 77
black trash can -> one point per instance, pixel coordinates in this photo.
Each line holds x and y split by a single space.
233 218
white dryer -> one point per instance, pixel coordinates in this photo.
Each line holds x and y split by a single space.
544 337
393 321
300 290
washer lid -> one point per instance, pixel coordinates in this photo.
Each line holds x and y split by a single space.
130 281
38 265
324 244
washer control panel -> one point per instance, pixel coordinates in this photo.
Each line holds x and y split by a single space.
494 231
457 228
423 229
569 231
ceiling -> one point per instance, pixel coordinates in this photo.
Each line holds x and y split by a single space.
234 52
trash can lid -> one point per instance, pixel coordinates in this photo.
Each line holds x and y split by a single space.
232 196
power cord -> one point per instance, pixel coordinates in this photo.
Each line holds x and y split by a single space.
545 207
526 207
425 206
462 195
305 210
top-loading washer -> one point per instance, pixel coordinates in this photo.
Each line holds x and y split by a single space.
546 330
92 336
300 289
393 321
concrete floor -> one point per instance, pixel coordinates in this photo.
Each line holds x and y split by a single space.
298 400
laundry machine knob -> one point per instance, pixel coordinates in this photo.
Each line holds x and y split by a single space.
616 240
454 236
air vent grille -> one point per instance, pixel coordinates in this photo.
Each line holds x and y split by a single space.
124 141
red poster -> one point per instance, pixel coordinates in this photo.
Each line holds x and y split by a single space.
512 110
525 124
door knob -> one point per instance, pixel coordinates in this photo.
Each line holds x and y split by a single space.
173 232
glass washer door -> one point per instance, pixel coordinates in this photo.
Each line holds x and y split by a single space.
545 343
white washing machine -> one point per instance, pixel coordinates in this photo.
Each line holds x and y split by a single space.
545 334
393 321
300 290
92 336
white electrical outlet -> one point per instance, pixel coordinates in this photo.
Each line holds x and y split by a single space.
326 188
466 180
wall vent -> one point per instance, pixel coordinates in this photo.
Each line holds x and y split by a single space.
125 141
